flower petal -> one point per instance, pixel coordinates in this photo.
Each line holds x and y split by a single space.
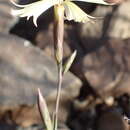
34 9
73 12
95 1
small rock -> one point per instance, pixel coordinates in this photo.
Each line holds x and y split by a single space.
109 101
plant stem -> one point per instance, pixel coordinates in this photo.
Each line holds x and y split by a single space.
58 50
60 77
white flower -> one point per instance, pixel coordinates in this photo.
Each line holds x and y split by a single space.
72 11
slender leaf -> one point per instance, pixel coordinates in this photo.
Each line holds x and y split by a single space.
44 111
69 62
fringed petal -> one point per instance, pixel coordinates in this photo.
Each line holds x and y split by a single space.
35 9
73 12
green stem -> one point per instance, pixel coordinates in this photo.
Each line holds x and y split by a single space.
60 77
58 50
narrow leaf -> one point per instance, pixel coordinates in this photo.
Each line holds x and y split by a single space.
44 111
69 62
54 121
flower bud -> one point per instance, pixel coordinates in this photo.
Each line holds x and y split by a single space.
58 32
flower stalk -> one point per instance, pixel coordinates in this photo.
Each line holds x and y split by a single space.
58 52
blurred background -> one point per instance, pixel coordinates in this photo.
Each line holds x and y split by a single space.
95 93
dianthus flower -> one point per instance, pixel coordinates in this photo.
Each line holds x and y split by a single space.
72 11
